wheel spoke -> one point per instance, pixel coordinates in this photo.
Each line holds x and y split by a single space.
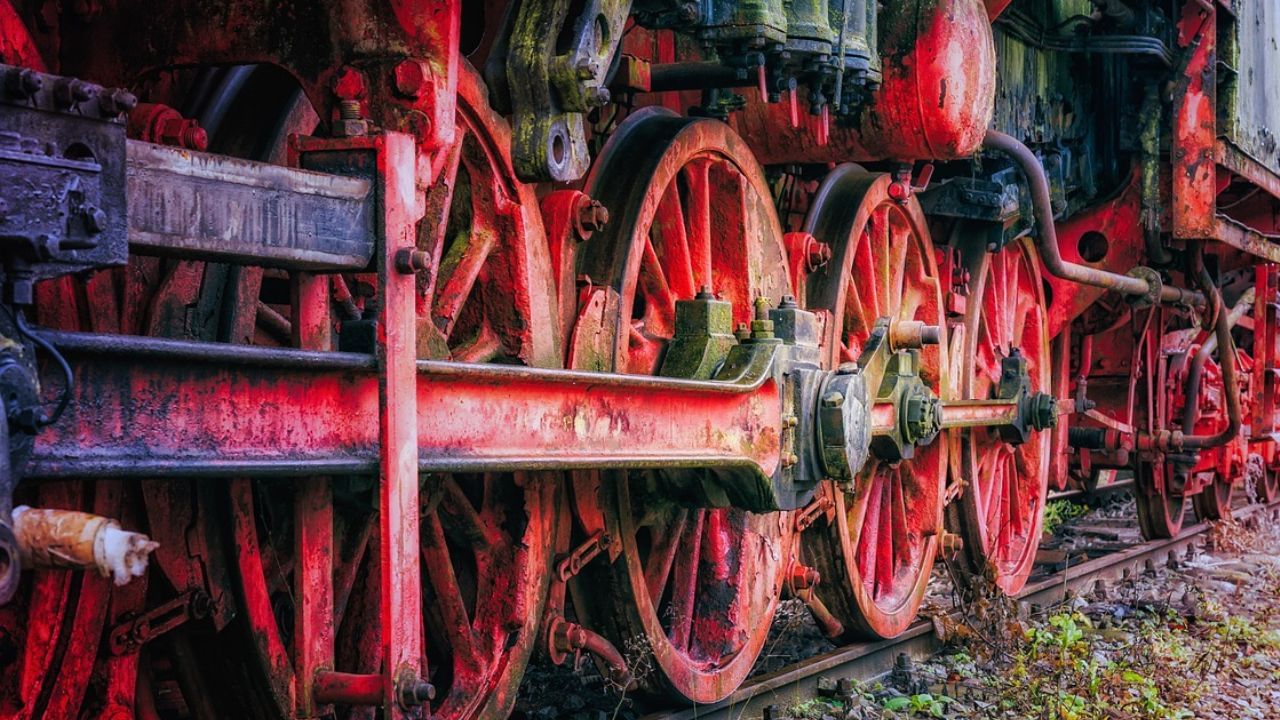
432 235
869 528
460 268
684 589
658 565
474 529
439 573
698 182
660 302
672 240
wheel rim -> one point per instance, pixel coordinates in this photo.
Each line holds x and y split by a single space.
485 538
1000 513
886 562
698 585
1214 502
1160 515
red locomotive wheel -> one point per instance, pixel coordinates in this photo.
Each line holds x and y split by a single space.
875 558
1267 488
1000 513
1214 502
486 538
698 586
1160 509
1160 514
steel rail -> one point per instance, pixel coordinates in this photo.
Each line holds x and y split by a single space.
774 692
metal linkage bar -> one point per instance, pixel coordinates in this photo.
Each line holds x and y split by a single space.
146 407
193 204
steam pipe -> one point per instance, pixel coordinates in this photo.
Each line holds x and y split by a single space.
1047 237
1196 370
1222 327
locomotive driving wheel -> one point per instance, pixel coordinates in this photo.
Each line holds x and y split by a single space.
999 514
876 554
1214 501
1159 493
696 585
485 537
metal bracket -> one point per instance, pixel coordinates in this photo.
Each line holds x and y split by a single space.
130 635
578 558
554 84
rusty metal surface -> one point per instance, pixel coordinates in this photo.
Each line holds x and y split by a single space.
197 205
1252 87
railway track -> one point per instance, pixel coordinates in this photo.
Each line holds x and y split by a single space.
773 692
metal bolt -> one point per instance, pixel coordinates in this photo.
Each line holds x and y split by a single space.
117 101
598 97
24 83
349 84
834 400
950 543
412 260
817 254
803 577
592 216
350 122
791 421
95 220
69 92
412 691
411 77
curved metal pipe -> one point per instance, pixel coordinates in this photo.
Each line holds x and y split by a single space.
1196 370
1047 237
609 655
1231 387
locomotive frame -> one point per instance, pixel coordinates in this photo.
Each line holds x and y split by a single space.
459 348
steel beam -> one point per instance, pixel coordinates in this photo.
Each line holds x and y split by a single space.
146 407
212 207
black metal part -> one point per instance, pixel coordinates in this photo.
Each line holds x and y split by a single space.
62 178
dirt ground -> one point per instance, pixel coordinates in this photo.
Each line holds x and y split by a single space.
1197 640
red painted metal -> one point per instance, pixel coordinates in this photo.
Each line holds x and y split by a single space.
1194 171
935 102
878 549
999 514
689 210
466 453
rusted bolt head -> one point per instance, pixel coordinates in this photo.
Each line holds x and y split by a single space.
349 84
950 543
411 77
567 637
900 191
69 92
591 216
24 83
803 577
598 97
412 260
817 254
413 691
114 102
